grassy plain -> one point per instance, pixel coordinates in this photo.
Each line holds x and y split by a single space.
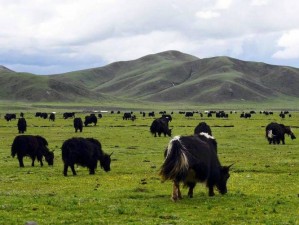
263 187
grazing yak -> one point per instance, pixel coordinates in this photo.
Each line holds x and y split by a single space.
90 119
32 146
85 152
10 116
22 125
78 124
160 126
203 127
127 116
192 159
275 133
67 115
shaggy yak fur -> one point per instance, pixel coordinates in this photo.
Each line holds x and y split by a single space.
78 124
160 126
90 119
192 159
32 146
84 152
275 133
22 125
203 127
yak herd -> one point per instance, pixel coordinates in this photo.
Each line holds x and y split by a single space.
187 159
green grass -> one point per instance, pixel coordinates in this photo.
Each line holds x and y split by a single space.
263 187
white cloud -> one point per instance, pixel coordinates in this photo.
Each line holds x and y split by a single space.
259 2
207 14
289 41
223 4
80 34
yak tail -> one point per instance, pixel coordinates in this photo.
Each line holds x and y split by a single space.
269 134
15 146
176 165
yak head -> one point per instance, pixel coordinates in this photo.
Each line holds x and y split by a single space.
169 131
224 175
49 156
105 162
289 132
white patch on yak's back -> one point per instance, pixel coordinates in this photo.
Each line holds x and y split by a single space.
206 135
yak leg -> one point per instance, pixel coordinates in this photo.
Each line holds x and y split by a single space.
176 193
65 169
20 158
191 187
73 170
91 170
40 159
211 190
33 160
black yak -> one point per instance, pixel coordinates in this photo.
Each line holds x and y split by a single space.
10 116
68 115
127 116
22 125
275 133
85 152
160 126
32 146
90 119
52 117
78 124
203 127
191 159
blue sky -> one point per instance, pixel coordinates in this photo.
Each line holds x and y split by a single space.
57 36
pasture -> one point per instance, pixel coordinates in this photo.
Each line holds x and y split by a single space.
263 187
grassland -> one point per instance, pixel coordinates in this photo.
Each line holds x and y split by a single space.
263 187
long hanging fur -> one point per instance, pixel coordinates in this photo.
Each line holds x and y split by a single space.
175 166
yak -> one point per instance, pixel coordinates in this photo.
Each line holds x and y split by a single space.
52 117
192 159
10 116
127 116
203 127
22 125
78 124
160 126
90 119
276 132
85 152
32 146
67 115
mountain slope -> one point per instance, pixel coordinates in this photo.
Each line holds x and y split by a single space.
167 76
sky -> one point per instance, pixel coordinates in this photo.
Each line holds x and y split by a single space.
57 36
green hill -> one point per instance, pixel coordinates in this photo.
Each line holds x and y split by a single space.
169 76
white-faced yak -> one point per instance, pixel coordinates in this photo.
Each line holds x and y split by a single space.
32 146
84 152
192 159
275 133
203 127
160 126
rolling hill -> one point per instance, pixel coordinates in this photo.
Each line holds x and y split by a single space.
169 76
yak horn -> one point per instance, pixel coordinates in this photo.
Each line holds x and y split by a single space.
230 165
111 154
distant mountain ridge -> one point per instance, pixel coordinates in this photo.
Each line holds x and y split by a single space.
169 76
